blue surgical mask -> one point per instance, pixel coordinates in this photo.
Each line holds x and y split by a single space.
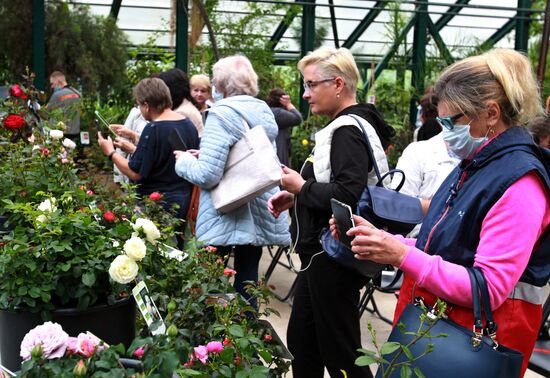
460 142
216 95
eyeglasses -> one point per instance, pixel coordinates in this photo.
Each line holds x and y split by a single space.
310 84
448 122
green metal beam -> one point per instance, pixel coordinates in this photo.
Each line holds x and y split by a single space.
498 35
522 25
440 43
115 8
38 44
391 52
451 13
182 35
333 22
308 35
364 24
283 26
420 39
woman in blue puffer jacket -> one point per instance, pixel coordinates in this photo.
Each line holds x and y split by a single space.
250 227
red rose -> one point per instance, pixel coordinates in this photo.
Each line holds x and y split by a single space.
16 91
210 248
109 216
14 121
268 338
155 196
226 341
45 151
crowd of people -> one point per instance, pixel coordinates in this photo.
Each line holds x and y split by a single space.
479 172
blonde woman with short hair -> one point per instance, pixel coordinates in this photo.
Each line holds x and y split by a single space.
323 330
492 212
201 91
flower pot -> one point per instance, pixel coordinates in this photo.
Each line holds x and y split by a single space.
111 323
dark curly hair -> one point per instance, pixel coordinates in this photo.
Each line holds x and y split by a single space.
178 83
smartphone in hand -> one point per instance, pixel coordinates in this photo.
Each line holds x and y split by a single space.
344 219
176 141
103 122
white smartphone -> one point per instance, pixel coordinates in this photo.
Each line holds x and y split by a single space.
344 219
104 122
148 309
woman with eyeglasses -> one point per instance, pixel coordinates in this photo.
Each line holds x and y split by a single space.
323 330
492 212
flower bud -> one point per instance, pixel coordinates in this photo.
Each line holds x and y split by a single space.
171 305
155 196
36 351
172 331
80 369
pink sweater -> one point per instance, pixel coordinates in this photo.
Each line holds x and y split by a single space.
508 234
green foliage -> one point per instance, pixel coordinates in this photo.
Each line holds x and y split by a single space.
148 59
76 43
389 366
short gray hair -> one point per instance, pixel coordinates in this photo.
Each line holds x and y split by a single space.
234 75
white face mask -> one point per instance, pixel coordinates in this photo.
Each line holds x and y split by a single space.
460 142
216 95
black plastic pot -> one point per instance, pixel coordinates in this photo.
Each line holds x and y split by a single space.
113 324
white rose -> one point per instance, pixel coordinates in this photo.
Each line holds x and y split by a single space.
151 231
135 248
69 144
41 218
56 134
123 269
48 205
116 244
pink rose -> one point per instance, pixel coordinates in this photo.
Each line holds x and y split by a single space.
214 347
50 336
155 196
85 345
139 352
16 91
72 343
201 353
229 272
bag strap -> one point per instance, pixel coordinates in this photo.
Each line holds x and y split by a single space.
490 326
369 148
244 121
478 321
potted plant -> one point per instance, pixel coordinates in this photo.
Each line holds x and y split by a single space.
64 236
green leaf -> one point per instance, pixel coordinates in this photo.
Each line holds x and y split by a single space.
225 371
88 279
408 353
227 355
389 347
365 360
22 291
265 355
406 372
236 330
419 373
241 374
65 267
35 292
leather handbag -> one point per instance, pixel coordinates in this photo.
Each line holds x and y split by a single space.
386 208
252 168
462 352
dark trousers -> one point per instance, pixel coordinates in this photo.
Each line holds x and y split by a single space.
246 262
324 329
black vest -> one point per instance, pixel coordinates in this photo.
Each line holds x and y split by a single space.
460 205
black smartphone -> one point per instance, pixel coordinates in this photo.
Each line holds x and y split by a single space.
103 122
344 219
176 141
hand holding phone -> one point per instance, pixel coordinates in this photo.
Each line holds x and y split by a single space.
101 120
344 219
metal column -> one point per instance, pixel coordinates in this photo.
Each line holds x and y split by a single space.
308 34
38 44
182 35
522 25
420 40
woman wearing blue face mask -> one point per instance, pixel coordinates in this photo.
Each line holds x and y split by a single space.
492 212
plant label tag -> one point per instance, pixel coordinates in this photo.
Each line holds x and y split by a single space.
84 137
148 309
371 99
174 253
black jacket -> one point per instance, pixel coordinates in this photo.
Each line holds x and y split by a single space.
350 167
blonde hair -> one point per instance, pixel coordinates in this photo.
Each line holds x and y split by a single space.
332 63
235 76
502 75
201 80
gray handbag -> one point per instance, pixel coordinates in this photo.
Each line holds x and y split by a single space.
252 168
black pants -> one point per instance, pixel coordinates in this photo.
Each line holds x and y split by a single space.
324 329
246 262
